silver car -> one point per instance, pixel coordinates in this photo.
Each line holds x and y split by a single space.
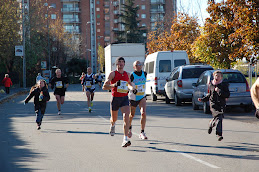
179 84
238 87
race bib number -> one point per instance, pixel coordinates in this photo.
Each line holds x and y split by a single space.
59 84
123 88
141 90
88 84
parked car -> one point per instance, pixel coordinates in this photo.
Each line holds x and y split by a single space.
158 66
238 87
179 83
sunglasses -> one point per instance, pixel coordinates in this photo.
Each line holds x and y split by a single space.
138 65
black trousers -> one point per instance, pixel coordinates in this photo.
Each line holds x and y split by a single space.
7 90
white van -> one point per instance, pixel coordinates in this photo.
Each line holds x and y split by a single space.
158 66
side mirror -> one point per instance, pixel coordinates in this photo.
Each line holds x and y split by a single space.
166 79
194 84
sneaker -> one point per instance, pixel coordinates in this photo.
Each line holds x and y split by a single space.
92 104
90 109
220 138
130 133
39 128
210 130
112 130
59 112
125 143
142 136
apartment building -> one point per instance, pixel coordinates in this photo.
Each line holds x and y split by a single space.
92 22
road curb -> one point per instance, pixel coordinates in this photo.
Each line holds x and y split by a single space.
5 99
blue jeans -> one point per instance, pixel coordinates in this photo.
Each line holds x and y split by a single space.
39 116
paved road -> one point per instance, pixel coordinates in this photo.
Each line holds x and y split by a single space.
79 141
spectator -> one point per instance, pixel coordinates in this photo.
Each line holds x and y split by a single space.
7 83
39 77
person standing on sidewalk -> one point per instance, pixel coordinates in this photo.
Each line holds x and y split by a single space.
218 93
41 96
255 96
59 83
89 87
7 83
138 98
118 81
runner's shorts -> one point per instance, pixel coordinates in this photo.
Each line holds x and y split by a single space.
90 90
136 103
118 102
60 92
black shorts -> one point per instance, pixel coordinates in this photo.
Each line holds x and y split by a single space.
60 92
118 102
136 103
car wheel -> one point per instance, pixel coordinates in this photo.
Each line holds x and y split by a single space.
206 108
194 106
167 100
248 108
177 100
153 96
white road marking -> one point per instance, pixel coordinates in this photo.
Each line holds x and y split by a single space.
180 152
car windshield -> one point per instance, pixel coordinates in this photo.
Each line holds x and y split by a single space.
233 77
193 72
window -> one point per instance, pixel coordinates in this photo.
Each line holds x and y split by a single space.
144 34
179 63
53 16
144 25
53 5
164 66
97 9
176 75
146 67
151 67
97 2
98 30
193 72
143 16
98 16
143 7
98 23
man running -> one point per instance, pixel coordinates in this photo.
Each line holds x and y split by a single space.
118 81
59 84
89 87
138 98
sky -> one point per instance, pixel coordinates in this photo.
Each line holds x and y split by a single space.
194 8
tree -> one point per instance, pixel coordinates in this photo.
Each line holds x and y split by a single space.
184 31
9 34
101 58
132 33
232 31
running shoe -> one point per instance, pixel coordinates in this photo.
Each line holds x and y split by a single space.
59 112
142 136
90 109
39 128
219 138
92 104
112 130
130 133
125 143
210 130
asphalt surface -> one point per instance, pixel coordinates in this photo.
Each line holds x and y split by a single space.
80 141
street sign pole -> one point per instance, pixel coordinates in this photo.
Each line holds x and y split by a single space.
23 40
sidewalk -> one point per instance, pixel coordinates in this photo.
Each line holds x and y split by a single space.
14 91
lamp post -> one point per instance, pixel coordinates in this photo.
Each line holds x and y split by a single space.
86 43
23 40
48 7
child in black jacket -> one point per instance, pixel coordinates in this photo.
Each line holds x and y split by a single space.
41 96
218 93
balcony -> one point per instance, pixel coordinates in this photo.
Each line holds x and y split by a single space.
71 20
157 11
70 10
70 0
75 31
157 1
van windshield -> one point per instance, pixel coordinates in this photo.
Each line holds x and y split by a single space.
164 66
193 72
179 62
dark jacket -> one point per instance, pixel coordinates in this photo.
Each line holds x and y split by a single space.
36 93
217 98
